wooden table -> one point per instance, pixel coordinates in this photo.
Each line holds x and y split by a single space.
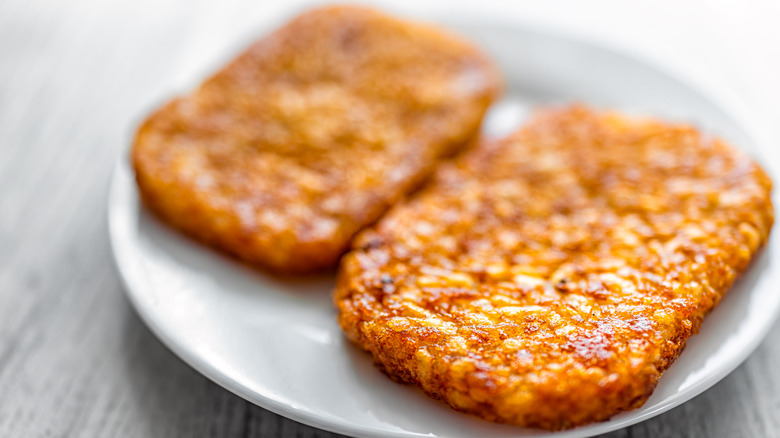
75 360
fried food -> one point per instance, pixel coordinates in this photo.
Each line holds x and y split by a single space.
549 278
311 134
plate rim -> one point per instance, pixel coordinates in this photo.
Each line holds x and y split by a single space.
703 84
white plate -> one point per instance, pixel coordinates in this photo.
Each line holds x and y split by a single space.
277 344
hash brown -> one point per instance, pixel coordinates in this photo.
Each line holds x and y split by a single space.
311 134
549 278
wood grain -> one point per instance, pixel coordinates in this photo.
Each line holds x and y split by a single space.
75 360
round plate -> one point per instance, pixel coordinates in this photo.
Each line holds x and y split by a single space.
276 342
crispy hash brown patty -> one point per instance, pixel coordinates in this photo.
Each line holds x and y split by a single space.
311 134
548 279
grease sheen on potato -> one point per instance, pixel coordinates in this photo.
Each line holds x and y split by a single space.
548 279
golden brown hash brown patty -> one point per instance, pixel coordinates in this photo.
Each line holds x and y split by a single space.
547 279
282 156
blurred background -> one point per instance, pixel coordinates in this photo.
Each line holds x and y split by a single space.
76 76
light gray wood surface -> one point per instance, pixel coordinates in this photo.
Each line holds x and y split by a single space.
75 360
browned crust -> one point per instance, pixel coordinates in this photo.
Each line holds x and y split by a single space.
548 279
312 133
